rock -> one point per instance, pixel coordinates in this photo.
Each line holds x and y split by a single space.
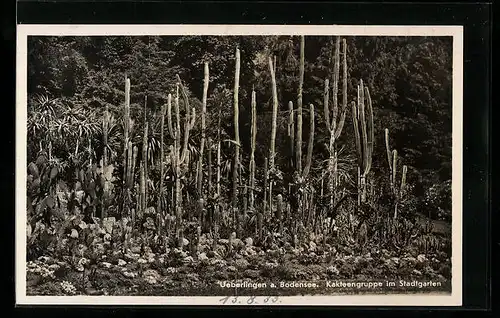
108 223
421 258
171 270
232 269
219 250
251 273
241 263
121 262
222 275
202 257
273 253
223 242
237 243
312 246
129 274
249 241
395 260
188 260
417 272
150 257
269 265
332 270
142 261
250 250
194 277
441 278
151 276
106 265
220 263
185 241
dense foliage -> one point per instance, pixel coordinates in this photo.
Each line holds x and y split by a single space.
83 198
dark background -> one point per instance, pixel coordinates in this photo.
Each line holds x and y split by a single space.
476 19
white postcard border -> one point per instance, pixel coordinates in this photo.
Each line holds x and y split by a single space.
25 30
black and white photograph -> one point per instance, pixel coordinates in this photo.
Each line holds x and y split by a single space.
239 165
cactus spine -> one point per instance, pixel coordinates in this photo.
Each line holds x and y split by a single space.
392 159
363 131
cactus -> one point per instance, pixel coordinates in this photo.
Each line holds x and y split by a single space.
217 209
332 126
253 132
209 168
392 159
363 132
298 139
310 143
272 150
144 171
160 212
203 128
129 152
126 125
291 132
105 127
236 162
279 213
180 156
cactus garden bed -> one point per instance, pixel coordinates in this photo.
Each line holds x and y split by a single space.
146 186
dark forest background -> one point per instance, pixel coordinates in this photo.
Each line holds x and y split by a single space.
410 81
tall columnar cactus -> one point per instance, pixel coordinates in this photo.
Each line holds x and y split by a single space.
298 147
217 210
203 129
126 127
105 127
144 170
291 132
253 133
363 132
392 160
272 150
162 159
179 154
129 153
332 126
236 162
294 132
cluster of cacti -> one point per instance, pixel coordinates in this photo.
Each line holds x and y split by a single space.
364 134
236 160
180 154
129 157
335 128
392 159
299 212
